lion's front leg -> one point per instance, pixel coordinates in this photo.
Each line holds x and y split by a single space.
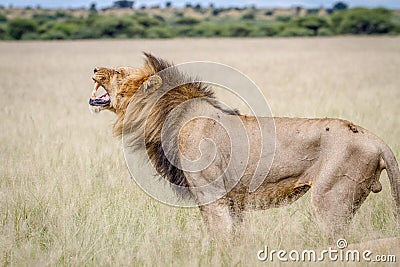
218 218
237 214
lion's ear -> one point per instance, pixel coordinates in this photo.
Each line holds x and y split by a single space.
153 82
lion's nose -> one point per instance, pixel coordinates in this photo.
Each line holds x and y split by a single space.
95 70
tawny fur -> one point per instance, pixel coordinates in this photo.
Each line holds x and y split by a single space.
340 161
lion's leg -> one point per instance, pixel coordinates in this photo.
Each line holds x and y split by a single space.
218 219
336 202
236 212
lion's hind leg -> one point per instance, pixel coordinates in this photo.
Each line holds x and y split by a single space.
337 196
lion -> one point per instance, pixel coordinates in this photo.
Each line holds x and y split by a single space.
339 161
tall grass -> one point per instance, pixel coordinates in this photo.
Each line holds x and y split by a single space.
66 196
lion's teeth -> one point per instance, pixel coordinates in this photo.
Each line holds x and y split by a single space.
96 86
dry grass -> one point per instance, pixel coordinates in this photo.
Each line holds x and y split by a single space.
66 197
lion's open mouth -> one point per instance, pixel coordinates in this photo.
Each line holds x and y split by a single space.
102 101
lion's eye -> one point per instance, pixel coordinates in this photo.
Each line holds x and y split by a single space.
117 72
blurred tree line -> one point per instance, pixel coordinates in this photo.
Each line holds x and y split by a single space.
142 24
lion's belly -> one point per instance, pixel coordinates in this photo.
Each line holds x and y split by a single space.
272 195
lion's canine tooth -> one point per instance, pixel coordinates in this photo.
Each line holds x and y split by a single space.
96 86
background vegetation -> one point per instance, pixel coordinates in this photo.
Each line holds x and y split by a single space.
122 21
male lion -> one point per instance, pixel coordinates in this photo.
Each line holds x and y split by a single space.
340 161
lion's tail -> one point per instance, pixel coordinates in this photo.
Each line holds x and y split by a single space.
392 169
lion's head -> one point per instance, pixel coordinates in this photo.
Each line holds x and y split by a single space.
121 84
111 79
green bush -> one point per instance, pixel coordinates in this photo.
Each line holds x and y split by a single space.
3 32
296 31
240 30
3 18
178 14
312 23
43 16
62 14
197 7
336 20
366 21
67 28
249 16
216 11
283 18
148 21
267 30
213 30
136 30
159 18
31 36
106 26
269 13
204 30
187 21
183 31
54 35
45 27
340 6
140 14
111 26
123 4
18 27
312 11
159 32
197 31
395 29
85 33
325 32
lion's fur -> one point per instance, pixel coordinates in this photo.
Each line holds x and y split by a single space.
341 161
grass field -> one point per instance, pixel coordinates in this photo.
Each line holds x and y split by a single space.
66 197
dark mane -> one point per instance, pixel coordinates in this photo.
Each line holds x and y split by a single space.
158 64
165 158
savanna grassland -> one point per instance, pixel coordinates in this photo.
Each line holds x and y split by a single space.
66 196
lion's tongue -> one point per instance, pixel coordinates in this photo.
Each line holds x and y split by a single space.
102 100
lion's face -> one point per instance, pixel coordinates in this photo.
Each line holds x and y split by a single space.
111 80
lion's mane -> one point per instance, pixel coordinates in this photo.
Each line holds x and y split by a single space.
148 110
